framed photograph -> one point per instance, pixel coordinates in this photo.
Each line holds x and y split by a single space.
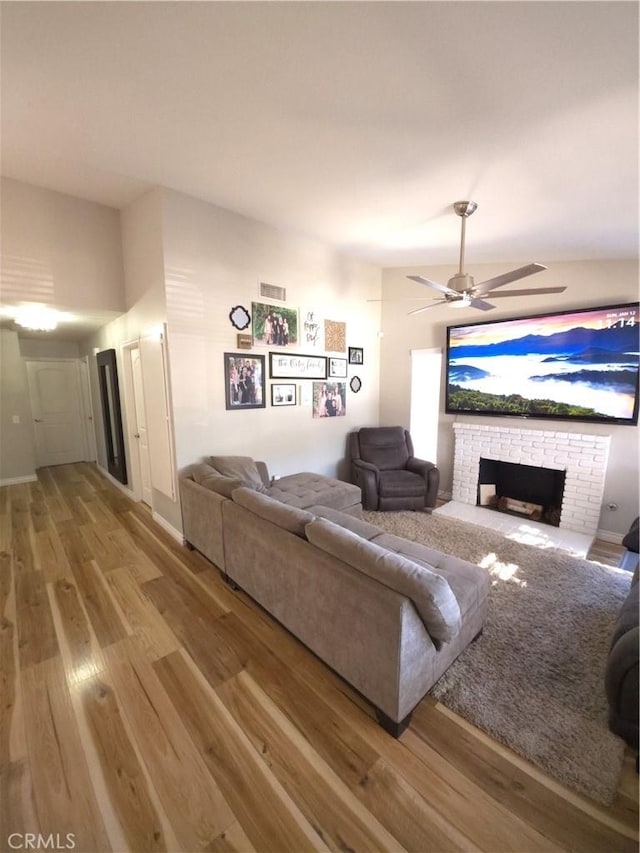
355 384
283 366
356 355
337 367
283 395
329 399
244 381
274 325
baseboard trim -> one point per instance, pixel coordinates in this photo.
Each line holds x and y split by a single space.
124 489
15 481
610 536
170 529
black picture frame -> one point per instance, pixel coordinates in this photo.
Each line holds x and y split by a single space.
356 355
112 414
284 394
244 381
239 317
337 368
355 384
297 366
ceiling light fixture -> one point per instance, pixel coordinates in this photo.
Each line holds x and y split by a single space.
38 318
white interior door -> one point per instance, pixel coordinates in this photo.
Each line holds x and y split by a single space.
87 412
56 404
140 434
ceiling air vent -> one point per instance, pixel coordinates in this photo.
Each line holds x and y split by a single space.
271 291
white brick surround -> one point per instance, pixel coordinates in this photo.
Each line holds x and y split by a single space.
583 457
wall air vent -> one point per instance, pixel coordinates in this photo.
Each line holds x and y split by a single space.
271 291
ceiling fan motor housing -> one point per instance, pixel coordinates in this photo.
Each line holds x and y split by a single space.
461 282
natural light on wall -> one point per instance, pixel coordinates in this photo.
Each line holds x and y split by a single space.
426 369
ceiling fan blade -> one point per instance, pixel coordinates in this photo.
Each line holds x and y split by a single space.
500 280
527 291
426 307
443 288
481 305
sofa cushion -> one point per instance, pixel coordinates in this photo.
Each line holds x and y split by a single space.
307 489
430 593
289 518
469 582
350 522
209 478
241 468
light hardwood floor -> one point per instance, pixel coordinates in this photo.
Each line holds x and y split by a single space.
146 706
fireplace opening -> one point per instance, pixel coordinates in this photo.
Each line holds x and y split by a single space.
524 490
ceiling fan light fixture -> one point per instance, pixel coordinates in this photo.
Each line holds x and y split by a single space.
463 302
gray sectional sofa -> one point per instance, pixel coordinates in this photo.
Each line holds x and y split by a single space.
386 614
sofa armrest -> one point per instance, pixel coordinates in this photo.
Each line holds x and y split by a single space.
621 684
366 475
264 473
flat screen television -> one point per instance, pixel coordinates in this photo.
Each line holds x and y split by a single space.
569 365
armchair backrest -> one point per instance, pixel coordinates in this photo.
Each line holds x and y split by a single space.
388 448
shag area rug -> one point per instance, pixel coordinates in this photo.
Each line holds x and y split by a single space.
534 679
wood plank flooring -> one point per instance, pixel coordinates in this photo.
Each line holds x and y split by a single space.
147 706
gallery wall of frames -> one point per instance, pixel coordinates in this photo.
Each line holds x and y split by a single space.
290 358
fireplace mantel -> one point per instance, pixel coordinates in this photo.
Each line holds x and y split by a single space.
582 456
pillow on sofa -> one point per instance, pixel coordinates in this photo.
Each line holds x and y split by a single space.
208 477
289 518
431 594
241 468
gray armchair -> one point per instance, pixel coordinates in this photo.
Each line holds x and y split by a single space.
389 475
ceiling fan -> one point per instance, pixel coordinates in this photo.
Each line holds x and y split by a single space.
462 291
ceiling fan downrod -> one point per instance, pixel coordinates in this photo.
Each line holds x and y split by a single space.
464 209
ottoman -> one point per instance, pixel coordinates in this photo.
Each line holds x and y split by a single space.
305 490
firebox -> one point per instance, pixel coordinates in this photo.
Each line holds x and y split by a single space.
526 490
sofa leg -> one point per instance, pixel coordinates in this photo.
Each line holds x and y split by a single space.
229 581
390 726
188 545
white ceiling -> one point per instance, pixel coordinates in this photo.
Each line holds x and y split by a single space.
355 123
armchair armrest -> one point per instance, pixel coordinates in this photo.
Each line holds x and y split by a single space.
419 466
431 475
365 475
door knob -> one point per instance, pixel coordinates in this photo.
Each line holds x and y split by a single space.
38 420
136 435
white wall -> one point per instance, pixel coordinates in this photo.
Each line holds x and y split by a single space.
146 311
589 284
60 250
17 445
214 260
45 348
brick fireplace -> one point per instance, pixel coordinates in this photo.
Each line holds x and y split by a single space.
582 457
